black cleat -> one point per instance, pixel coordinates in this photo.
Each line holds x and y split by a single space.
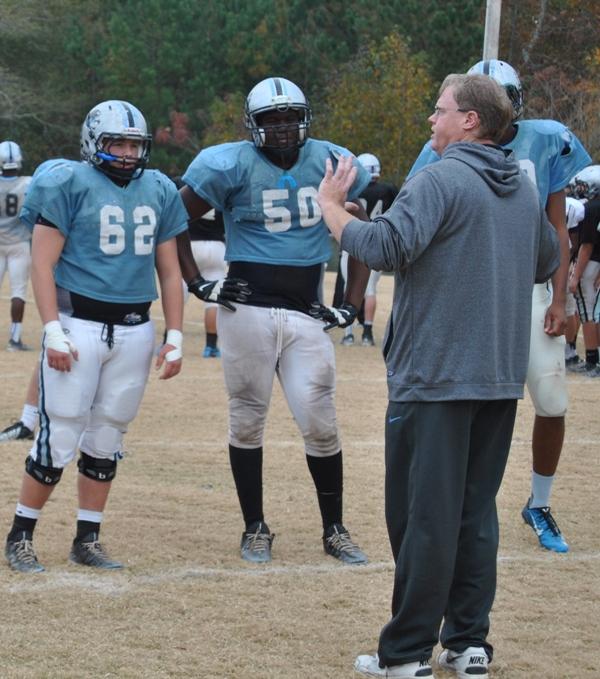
16 432
256 543
89 552
338 544
21 555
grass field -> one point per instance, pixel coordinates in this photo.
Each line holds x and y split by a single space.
187 606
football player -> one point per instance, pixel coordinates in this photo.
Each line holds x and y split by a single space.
102 228
574 214
376 199
550 154
586 270
277 241
15 238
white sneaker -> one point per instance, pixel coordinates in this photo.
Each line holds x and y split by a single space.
470 664
369 666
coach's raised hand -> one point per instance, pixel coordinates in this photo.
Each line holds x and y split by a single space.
223 291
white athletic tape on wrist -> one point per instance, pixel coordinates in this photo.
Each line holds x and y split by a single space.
56 338
174 338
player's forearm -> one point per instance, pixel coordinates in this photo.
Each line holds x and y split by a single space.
189 270
172 302
46 246
358 277
169 278
561 275
44 291
555 211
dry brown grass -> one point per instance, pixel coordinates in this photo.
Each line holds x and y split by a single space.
188 607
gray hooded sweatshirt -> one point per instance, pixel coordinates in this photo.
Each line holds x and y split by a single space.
467 239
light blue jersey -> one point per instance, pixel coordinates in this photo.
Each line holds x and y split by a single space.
547 151
271 215
111 231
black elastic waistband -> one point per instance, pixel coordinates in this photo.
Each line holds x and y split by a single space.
132 318
115 313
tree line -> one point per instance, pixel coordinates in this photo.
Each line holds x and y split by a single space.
370 72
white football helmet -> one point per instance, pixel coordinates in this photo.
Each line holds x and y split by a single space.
506 75
277 94
371 164
114 120
587 182
10 156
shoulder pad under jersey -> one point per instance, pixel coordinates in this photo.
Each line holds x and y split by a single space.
223 157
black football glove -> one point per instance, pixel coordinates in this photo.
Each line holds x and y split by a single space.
335 317
223 291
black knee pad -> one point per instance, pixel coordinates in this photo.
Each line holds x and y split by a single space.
99 469
46 475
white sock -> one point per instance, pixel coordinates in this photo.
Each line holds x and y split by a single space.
89 515
29 416
15 331
348 330
27 512
541 487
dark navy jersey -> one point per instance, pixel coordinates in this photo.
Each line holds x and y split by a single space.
377 198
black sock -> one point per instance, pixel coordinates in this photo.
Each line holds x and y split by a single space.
328 476
246 466
84 528
21 524
573 345
211 340
591 356
368 330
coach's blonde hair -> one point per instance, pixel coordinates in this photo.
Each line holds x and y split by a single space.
487 98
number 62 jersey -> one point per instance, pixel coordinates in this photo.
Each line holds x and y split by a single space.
271 215
111 231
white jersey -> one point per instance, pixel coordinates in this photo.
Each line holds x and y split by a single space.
12 194
575 212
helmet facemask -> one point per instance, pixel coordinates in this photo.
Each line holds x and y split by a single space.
283 137
122 167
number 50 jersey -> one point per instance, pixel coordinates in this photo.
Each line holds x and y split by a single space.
111 231
271 215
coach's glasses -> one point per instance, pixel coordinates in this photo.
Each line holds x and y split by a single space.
439 111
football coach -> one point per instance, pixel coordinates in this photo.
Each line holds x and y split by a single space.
464 237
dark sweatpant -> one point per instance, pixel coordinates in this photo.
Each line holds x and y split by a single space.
444 465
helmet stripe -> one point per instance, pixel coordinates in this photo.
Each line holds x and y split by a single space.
10 153
278 86
486 67
130 118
